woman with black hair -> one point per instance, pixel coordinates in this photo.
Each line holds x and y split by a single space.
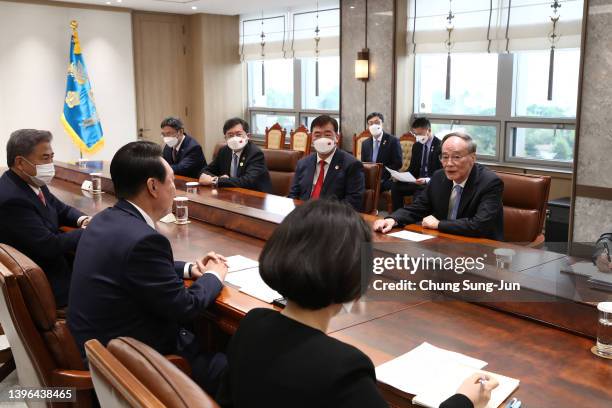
286 359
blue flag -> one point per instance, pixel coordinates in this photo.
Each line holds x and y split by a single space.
80 118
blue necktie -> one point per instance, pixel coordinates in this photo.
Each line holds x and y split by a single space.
454 202
234 167
375 152
424 159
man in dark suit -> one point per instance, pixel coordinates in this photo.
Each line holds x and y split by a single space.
31 217
424 162
125 280
330 172
181 151
465 198
239 163
601 257
383 148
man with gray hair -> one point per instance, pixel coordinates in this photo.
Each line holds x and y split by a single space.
31 217
462 198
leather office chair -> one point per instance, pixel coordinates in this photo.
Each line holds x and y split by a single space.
130 373
275 137
358 139
218 147
525 198
300 140
406 142
281 166
372 172
6 359
45 352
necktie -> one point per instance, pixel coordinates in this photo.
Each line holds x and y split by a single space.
42 198
234 167
455 199
174 155
375 152
316 191
424 160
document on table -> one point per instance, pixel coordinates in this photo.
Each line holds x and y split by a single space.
238 262
411 236
403 177
433 374
249 281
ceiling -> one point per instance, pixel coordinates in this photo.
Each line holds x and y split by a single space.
229 7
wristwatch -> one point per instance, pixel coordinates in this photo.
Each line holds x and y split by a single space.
215 181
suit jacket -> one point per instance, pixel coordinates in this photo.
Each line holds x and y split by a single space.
480 214
252 171
417 158
33 228
189 158
126 283
275 361
344 179
389 153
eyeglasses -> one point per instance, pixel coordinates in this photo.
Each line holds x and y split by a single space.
175 134
445 158
239 134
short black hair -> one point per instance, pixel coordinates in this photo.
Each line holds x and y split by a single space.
23 141
323 120
173 123
314 256
133 165
375 115
230 123
421 123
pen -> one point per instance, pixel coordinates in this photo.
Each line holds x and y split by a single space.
514 403
605 244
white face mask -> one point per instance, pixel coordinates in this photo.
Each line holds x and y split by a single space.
170 141
236 143
44 173
375 129
421 139
324 145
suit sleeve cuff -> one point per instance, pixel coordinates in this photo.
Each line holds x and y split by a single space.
457 401
214 274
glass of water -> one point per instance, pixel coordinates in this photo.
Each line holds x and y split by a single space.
181 210
604 330
96 183
192 187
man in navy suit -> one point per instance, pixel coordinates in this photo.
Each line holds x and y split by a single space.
330 172
424 162
125 280
465 198
383 148
181 151
240 163
31 217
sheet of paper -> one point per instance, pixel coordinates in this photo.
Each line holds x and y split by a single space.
411 236
403 177
168 219
249 281
239 263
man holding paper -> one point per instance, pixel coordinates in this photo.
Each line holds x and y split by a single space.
382 148
465 198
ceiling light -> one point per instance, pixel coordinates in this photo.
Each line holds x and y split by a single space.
194 8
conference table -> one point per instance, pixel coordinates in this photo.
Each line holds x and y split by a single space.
543 340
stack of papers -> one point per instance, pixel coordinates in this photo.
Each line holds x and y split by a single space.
596 279
238 263
411 236
243 273
433 375
403 177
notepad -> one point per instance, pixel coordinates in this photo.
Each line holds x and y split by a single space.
249 281
238 263
406 177
433 374
411 236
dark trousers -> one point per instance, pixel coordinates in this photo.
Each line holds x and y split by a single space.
206 367
400 190
386 184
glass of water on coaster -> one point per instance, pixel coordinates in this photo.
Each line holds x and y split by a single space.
192 187
603 348
96 183
181 210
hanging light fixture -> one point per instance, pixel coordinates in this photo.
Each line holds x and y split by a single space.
553 37
317 39
449 45
263 44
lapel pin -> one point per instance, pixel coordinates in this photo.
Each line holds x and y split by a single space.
384 142
337 167
241 164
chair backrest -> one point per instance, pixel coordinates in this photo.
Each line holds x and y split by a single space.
46 346
275 137
281 166
300 140
218 147
115 385
525 199
406 142
372 173
163 379
358 139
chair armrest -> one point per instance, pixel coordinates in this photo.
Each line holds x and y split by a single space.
181 363
80 379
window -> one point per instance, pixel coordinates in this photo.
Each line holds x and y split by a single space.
485 136
531 84
473 84
278 84
536 143
329 84
261 121
306 120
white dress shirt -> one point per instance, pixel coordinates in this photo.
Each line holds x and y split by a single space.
325 169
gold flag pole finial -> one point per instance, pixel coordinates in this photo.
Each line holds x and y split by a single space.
74 24
77 45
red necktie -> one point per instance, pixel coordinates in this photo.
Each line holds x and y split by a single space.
316 192
42 198
174 152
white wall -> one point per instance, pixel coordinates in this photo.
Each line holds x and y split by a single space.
34 48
